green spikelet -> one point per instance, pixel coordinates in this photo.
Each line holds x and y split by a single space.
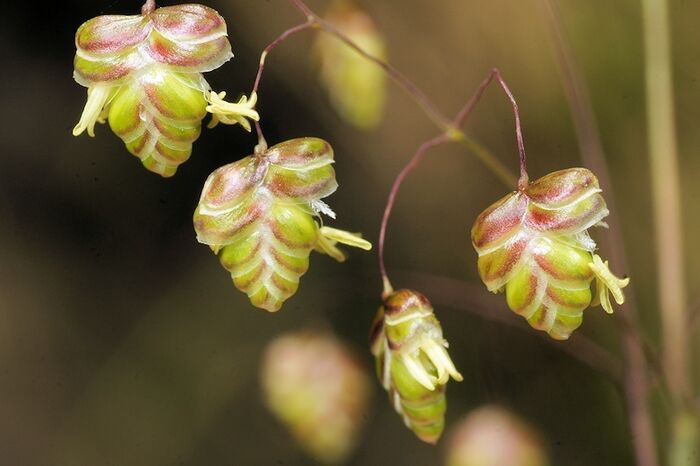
144 76
412 362
313 383
258 215
355 86
534 244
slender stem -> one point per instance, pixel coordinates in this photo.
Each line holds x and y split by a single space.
418 96
523 180
305 10
449 135
415 160
663 158
148 7
471 103
423 101
261 67
281 38
636 380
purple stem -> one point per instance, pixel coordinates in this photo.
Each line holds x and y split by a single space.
148 7
263 56
441 139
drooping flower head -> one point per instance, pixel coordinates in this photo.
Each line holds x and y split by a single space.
534 244
313 383
412 361
144 76
258 213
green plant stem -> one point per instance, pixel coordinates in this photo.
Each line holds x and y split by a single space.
663 158
663 161
634 345
417 95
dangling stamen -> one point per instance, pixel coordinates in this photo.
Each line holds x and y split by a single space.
98 95
441 360
607 283
328 238
229 113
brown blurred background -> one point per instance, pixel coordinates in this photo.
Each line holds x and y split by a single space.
122 340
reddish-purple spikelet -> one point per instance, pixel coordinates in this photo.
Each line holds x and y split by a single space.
187 22
300 152
111 33
404 301
229 184
516 250
280 186
562 187
188 38
500 220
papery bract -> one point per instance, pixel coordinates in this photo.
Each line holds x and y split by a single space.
534 244
314 384
258 215
412 361
144 76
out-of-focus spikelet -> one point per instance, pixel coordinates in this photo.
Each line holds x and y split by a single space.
313 383
356 87
492 436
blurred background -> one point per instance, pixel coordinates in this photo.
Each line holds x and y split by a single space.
122 340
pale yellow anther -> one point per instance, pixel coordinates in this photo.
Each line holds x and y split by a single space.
418 372
94 110
441 360
232 113
328 238
607 283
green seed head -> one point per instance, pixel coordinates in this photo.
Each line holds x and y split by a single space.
534 245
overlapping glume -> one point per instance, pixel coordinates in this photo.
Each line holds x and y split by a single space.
412 361
257 214
144 76
534 244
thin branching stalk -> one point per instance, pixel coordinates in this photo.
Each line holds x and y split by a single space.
636 380
262 144
417 95
281 38
447 136
410 166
